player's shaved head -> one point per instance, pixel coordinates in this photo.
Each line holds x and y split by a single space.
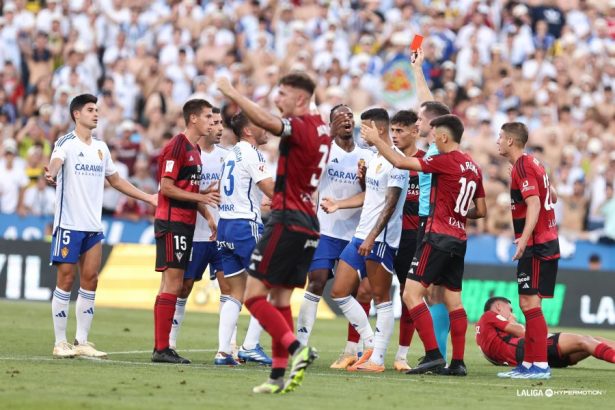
451 123
491 301
517 131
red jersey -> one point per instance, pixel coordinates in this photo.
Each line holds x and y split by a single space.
411 206
529 178
456 182
180 161
304 152
497 346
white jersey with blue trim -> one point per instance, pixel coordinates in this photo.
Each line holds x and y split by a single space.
80 183
380 176
240 198
339 181
211 172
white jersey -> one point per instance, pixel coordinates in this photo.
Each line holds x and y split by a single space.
212 164
380 176
339 181
80 183
240 198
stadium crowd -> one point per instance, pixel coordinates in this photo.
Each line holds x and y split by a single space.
547 63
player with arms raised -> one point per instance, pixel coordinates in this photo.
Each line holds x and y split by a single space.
283 255
79 166
457 182
537 242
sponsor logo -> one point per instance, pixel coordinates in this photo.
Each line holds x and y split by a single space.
81 154
523 277
311 243
342 176
604 313
227 207
179 256
88 169
169 166
500 317
256 257
225 244
335 160
457 224
372 182
190 158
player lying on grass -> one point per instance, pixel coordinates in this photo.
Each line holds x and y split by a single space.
502 340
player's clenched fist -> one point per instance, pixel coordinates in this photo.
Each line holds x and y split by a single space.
329 205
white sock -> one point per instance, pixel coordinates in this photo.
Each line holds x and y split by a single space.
385 322
228 320
527 365
357 317
223 298
178 318
307 317
59 313
84 309
402 352
253 334
351 348
542 365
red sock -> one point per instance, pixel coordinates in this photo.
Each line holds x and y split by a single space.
271 320
535 336
406 326
279 353
424 326
605 352
459 325
353 335
164 309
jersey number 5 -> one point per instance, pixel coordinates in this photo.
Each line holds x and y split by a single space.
466 192
324 149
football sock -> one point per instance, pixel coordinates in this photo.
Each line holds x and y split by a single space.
459 326
163 319
535 336
272 321
288 316
351 347
402 353
178 318
406 328
385 322
84 309
277 373
358 319
228 320
253 335
307 317
441 324
59 313
604 352
424 326
223 298
353 335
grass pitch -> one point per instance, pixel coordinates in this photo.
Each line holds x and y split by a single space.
32 379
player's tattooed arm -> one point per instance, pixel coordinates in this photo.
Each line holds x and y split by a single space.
391 199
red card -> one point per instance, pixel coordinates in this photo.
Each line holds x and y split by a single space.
416 42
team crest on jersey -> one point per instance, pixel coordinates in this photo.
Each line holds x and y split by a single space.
378 168
100 155
64 252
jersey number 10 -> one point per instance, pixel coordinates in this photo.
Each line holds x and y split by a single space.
466 192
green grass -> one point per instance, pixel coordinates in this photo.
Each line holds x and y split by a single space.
30 378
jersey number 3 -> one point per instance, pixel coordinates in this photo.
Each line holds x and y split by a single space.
324 149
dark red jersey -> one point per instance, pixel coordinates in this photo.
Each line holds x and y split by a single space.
529 178
411 206
180 161
456 182
304 151
497 346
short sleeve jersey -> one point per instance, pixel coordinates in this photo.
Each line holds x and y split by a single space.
411 206
529 178
496 345
304 151
180 161
80 183
380 176
456 182
211 172
240 198
340 181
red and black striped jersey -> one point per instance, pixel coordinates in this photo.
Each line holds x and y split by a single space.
304 151
180 161
411 206
529 178
456 182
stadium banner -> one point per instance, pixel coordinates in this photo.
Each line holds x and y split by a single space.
482 249
127 278
399 82
581 298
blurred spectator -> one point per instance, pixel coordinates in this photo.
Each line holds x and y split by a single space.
39 200
608 210
594 262
13 179
111 196
575 207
